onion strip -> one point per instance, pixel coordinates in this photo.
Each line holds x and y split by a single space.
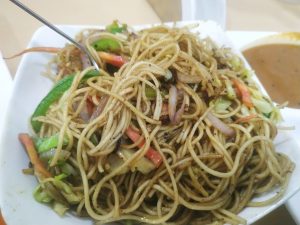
172 102
99 108
220 125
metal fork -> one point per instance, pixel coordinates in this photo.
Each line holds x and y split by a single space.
60 32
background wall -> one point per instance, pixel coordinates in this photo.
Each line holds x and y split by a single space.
263 15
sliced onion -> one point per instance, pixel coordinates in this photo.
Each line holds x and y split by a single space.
172 102
99 108
84 114
179 113
115 161
220 125
174 94
143 165
188 79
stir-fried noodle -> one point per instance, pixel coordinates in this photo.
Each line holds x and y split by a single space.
173 130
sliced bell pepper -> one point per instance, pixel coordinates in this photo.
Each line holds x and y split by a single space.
56 92
33 156
115 27
47 143
243 92
151 93
151 153
115 60
107 45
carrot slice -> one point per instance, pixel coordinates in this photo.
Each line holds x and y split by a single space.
151 154
112 59
154 156
33 156
243 91
245 119
35 49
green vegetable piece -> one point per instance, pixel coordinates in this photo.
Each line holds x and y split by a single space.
62 186
94 139
230 92
276 116
61 176
28 171
235 62
151 93
40 195
67 192
67 169
56 92
245 111
221 105
47 143
48 156
107 45
267 115
246 73
59 208
115 27
262 105
72 198
128 222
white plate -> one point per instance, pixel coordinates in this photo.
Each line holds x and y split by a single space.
242 39
5 89
16 201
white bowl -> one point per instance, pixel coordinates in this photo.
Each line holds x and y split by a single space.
291 115
16 200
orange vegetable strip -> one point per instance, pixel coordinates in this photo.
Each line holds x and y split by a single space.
33 156
151 154
243 92
35 49
245 119
112 59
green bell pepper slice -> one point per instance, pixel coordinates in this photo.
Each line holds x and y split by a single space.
55 94
47 143
115 27
107 45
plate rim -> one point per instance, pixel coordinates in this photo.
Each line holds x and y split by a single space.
18 77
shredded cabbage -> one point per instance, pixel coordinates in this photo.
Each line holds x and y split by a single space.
221 105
